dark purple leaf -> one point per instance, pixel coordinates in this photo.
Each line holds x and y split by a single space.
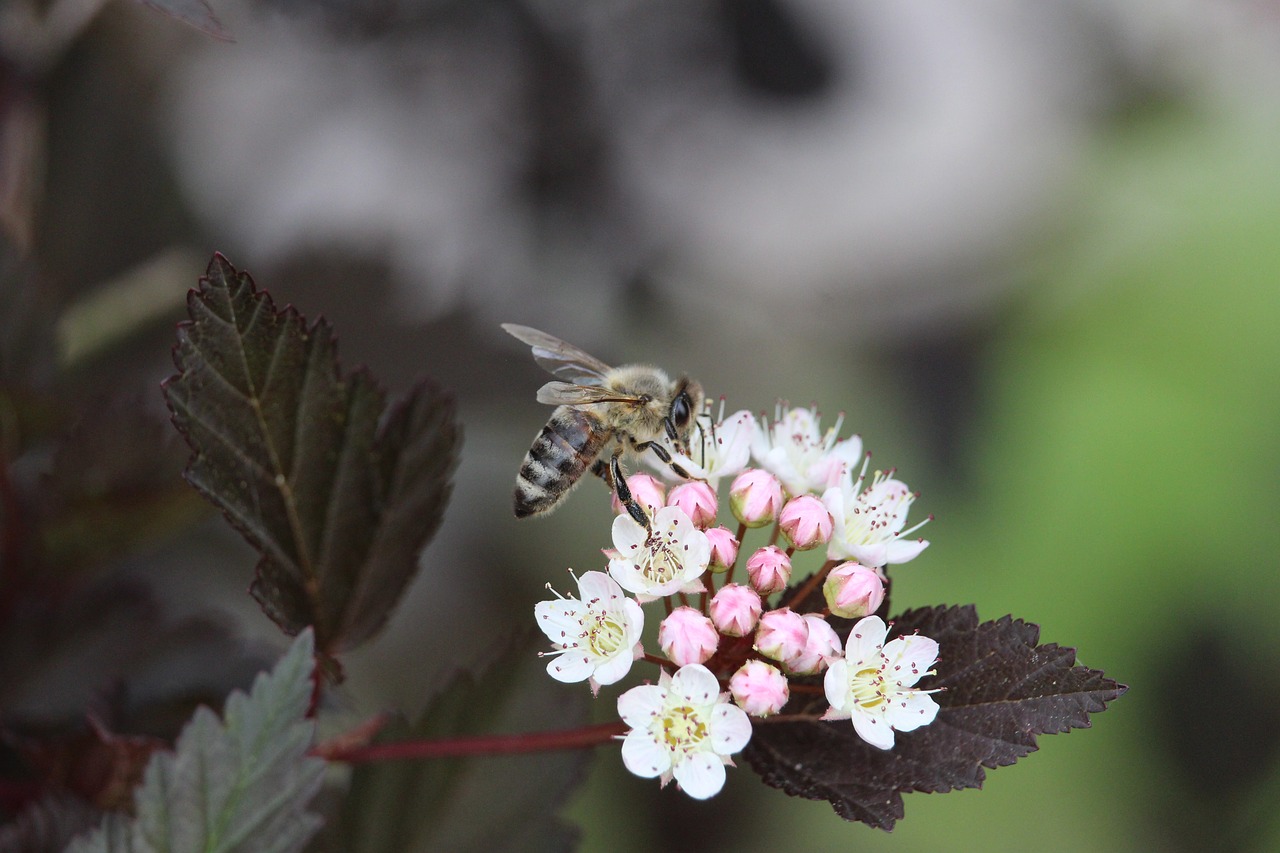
336 490
99 766
48 824
114 484
108 648
1000 691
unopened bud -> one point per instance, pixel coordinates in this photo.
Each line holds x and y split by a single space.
755 497
735 610
806 522
821 645
698 500
852 590
686 636
646 491
759 688
724 549
770 570
781 634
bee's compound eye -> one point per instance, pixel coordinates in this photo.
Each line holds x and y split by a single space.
681 408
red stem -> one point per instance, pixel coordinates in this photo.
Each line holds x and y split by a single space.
661 662
475 745
803 592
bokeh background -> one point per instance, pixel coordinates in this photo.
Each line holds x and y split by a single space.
1031 250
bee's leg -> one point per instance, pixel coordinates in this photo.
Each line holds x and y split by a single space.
661 453
624 494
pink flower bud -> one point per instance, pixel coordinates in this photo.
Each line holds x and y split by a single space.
759 688
735 609
806 522
821 645
724 548
646 491
686 636
781 634
853 590
769 569
698 500
755 497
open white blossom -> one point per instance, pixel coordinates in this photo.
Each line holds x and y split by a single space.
667 558
596 637
684 728
805 459
719 450
869 521
873 683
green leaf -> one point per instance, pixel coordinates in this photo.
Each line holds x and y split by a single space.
490 803
237 784
336 490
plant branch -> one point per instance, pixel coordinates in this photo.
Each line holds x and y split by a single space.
797 598
477 745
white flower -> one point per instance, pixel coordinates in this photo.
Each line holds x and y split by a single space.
667 558
597 637
869 522
872 683
684 728
722 450
804 459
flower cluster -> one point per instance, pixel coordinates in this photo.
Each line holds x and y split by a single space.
739 625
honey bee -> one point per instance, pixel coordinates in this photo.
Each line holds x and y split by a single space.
628 409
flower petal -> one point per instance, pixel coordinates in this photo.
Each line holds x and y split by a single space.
597 589
873 555
904 550
634 615
910 711
836 685
694 685
628 536
613 669
560 620
570 667
639 705
730 729
909 658
865 639
643 756
700 775
873 729
628 575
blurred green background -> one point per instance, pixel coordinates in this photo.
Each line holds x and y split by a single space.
1033 255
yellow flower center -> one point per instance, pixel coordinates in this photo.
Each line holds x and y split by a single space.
867 687
664 555
682 730
605 635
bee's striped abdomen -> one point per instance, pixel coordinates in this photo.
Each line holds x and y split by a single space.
570 442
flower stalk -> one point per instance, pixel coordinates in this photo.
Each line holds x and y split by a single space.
339 749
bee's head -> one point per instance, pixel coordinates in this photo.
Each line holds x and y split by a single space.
686 405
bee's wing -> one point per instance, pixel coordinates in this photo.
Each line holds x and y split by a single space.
568 394
558 357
